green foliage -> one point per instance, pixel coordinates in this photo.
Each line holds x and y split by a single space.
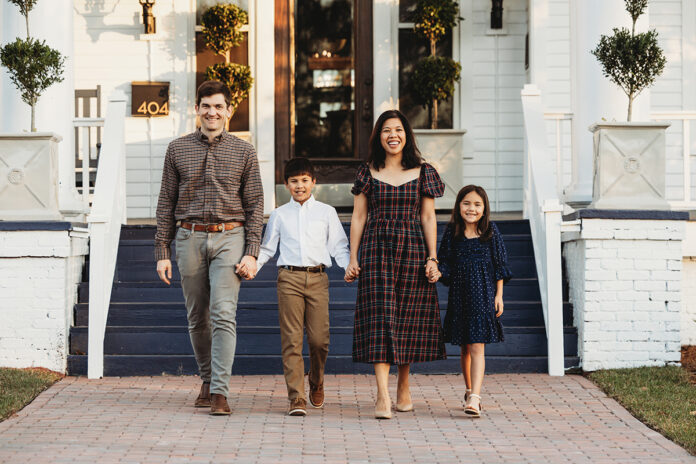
433 79
631 61
18 387
25 6
636 8
236 76
662 397
33 67
222 25
433 18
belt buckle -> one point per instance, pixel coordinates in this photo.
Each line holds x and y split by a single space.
220 227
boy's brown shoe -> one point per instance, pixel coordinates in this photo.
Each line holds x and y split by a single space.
316 395
219 406
298 407
203 400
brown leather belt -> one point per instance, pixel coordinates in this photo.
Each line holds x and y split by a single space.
211 227
319 268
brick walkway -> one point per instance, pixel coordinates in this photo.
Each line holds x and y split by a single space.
528 418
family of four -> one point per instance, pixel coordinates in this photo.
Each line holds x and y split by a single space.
211 205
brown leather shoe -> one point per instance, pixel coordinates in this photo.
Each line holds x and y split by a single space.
298 407
219 406
316 395
203 400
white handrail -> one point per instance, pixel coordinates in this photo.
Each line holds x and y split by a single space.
105 219
544 212
559 118
685 117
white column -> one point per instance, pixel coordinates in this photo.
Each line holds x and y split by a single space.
52 21
385 20
264 123
595 96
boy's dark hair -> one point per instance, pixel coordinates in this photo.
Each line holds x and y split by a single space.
208 88
297 167
484 225
410 157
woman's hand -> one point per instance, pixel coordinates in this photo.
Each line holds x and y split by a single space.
352 271
432 273
498 305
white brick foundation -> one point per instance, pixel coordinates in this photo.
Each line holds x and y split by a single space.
39 274
625 279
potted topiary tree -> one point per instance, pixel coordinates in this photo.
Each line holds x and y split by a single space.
432 81
33 66
434 77
629 158
29 170
222 26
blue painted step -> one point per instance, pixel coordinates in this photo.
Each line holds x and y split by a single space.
147 334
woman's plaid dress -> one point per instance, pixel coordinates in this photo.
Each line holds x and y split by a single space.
397 318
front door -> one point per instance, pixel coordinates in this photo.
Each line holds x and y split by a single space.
323 78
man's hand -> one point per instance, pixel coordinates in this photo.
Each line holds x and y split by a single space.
164 270
246 268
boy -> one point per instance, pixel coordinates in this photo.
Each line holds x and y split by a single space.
309 233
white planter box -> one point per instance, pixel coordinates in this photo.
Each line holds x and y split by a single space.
29 176
444 150
629 166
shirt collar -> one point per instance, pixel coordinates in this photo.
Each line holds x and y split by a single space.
201 137
308 204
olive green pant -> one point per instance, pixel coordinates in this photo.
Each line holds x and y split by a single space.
211 288
303 304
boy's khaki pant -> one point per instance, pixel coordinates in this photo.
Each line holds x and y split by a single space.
303 303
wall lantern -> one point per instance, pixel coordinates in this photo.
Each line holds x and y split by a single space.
497 14
149 20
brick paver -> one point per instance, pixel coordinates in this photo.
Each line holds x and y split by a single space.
529 418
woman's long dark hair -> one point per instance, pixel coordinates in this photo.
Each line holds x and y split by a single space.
484 224
411 156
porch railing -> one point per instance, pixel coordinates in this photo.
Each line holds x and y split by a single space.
105 219
687 202
559 143
87 151
543 209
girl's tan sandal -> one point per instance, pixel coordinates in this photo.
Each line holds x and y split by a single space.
473 411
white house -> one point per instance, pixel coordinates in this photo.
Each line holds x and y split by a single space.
324 70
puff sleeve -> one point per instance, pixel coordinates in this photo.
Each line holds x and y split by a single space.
430 184
445 255
363 181
499 253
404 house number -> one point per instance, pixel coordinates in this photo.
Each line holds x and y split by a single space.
153 108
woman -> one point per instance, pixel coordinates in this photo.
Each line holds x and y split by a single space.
397 319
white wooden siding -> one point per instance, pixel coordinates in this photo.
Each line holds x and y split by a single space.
109 52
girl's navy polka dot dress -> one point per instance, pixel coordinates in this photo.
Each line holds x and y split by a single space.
471 268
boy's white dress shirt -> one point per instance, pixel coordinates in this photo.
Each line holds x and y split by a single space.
309 235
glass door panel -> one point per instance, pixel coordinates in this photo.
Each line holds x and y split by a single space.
324 78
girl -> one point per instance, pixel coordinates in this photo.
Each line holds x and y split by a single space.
473 262
397 319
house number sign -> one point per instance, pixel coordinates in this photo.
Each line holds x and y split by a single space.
150 99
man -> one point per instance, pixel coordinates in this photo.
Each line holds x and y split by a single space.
211 185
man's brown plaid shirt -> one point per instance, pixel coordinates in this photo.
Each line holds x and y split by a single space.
209 182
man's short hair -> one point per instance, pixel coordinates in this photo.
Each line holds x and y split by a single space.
209 88
297 167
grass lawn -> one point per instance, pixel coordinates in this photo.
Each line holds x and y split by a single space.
18 387
663 398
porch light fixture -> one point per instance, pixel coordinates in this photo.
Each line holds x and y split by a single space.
497 14
149 21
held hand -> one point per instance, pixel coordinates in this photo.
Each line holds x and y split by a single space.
498 305
246 268
432 273
352 271
164 270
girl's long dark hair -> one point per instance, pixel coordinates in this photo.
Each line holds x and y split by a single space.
411 156
484 224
